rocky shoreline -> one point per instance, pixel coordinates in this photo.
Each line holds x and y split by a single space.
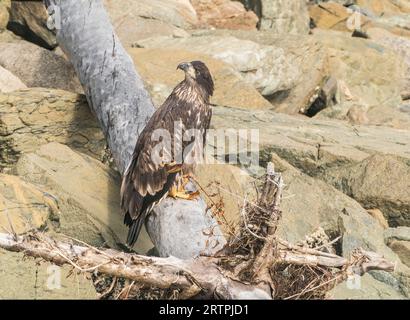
331 105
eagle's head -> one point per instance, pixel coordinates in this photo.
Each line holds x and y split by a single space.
198 73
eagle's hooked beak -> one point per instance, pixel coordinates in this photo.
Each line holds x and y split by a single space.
183 66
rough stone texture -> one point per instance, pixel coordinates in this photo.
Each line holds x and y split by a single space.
228 185
380 181
38 67
337 214
296 82
402 249
368 14
314 145
269 69
332 15
224 14
26 206
378 215
8 36
28 19
32 117
285 17
385 7
353 61
157 68
87 194
135 20
4 14
400 45
22 278
368 288
399 233
9 82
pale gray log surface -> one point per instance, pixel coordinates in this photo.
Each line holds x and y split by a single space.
117 96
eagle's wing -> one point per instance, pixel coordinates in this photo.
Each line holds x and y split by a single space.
147 181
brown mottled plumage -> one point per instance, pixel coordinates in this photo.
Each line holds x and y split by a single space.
146 182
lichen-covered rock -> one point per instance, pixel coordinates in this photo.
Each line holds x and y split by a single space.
32 117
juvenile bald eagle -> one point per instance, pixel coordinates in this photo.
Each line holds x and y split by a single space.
156 165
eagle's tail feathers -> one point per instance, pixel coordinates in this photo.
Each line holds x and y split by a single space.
134 231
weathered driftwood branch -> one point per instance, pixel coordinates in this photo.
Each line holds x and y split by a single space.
116 94
192 278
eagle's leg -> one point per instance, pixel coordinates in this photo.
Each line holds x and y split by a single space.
178 189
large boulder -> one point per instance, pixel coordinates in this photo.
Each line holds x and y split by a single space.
285 17
379 181
335 16
224 14
157 68
38 67
135 20
352 62
267 68
289 69
384 7
9 82
398 239
32 117
86 191
28 19
401 45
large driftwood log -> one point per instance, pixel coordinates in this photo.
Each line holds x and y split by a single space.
116 95
192 278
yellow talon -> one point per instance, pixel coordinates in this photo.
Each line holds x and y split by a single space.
178 189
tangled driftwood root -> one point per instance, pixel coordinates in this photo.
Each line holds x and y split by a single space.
255 264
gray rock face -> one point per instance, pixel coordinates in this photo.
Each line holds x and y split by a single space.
269 69
135 20
38 67
284 16
379 181
314 145
399 233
